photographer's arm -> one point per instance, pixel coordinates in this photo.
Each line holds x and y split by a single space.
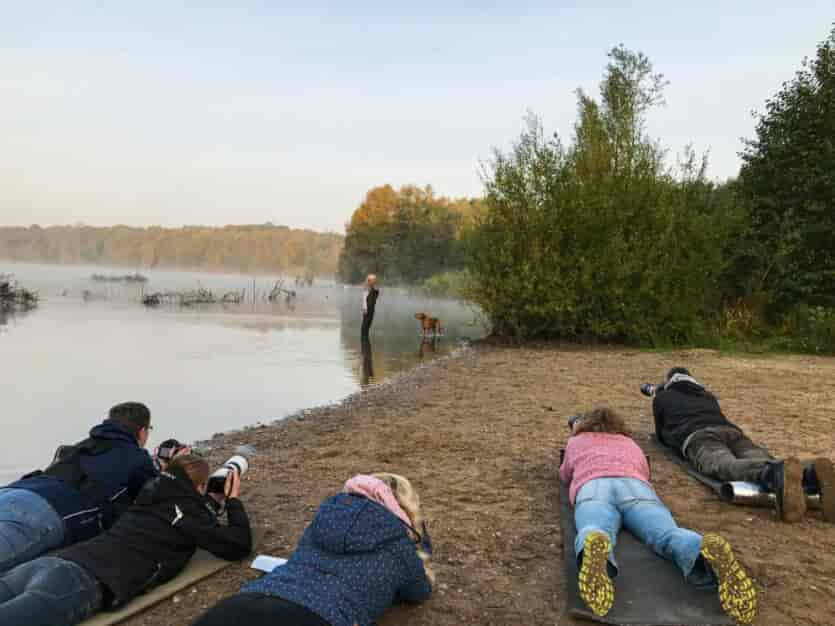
658 415
232 542
567 467
418 589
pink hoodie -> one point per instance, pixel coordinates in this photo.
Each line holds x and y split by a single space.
601 455
376 490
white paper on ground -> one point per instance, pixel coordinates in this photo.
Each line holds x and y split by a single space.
266 563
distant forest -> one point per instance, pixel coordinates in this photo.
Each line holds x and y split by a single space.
263 248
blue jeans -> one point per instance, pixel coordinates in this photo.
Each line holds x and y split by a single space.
46 592
29 527
606 504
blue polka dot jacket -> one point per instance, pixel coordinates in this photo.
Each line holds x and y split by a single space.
353 562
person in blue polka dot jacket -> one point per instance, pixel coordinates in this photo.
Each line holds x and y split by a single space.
361 553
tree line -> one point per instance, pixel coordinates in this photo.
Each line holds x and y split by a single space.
407 235
263 248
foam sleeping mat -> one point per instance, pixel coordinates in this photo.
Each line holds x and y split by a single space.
201 566
649 590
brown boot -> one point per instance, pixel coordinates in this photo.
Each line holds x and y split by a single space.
826 480
791 500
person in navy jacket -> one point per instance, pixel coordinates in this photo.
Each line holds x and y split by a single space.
362 552
84 490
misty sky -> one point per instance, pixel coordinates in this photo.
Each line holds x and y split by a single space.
146 113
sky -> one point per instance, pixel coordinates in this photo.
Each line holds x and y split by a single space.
227 113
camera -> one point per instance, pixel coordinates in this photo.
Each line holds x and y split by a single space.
237 463
573 419
648 389
168 449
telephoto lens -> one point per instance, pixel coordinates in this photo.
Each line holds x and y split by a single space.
217 481
648 389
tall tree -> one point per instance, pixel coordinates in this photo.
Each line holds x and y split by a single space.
788 180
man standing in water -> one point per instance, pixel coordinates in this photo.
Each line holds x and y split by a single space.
369 302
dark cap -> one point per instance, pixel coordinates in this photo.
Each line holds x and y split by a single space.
677 370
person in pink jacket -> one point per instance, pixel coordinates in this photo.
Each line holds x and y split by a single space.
608 482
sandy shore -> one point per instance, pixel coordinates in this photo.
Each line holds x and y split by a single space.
480 433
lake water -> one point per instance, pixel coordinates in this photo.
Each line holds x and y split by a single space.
201 370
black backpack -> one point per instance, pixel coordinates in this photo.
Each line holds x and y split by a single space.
66 466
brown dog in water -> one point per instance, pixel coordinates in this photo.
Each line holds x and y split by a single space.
429 325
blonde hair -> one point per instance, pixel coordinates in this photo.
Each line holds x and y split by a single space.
409 500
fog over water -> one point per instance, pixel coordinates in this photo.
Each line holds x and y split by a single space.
201 370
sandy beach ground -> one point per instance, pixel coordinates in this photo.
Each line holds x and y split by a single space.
479 434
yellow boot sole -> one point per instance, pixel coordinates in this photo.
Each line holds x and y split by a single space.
736 591
596 588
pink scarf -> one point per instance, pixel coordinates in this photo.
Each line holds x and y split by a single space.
376 490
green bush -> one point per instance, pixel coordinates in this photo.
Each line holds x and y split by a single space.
454 284
806 329
598 240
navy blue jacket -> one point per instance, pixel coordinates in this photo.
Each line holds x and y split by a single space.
353 561
121 472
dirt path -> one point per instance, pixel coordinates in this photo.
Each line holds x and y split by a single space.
479 435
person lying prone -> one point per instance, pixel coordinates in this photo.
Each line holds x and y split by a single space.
609 486
150 544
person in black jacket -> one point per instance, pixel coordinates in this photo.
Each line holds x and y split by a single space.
369 304
150 544
83 491
688 419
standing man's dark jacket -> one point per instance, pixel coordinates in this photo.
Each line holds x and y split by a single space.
371 302
154 540
109 470
682 408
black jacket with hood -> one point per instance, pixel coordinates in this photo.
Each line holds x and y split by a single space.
154 540
682 408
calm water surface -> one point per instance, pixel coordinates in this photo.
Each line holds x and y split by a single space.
201 370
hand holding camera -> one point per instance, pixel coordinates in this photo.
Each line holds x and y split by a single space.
226 481
232 486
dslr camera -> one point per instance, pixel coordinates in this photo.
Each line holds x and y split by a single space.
649 390
166 451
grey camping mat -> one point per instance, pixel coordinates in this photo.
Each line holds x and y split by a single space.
649 590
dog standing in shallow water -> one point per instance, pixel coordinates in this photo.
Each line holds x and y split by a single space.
429 325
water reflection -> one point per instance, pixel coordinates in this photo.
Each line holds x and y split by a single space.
367 362
428 345
201 370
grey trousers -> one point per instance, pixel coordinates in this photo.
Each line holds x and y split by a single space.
727 454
